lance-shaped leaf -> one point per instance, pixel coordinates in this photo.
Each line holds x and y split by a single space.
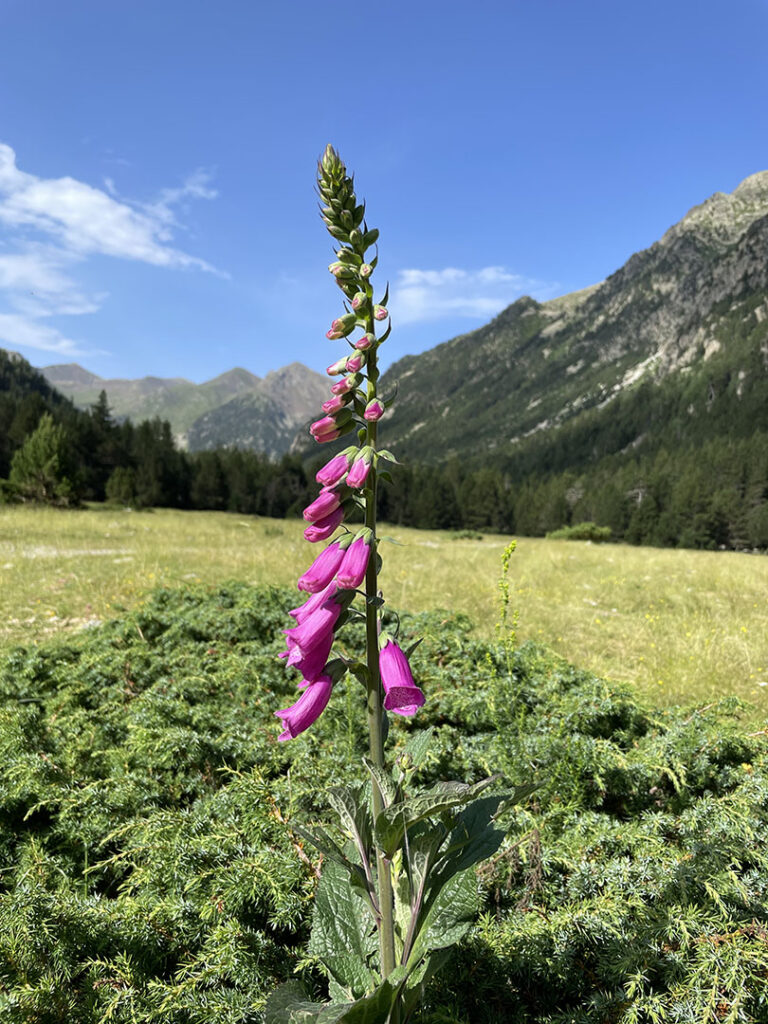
320 839
289 1005
343 932
414 753
446 920
351 805
392 822
382 781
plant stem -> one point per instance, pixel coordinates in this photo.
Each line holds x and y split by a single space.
375 713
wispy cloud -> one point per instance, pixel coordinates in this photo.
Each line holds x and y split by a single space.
419 295
55 224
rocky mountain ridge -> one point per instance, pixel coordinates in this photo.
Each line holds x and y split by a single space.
234 408
687 312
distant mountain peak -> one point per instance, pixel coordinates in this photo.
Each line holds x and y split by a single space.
64 375
725 216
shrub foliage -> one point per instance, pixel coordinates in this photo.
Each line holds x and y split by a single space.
148 871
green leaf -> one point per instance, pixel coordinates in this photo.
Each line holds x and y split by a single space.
386 786
414 752
448 917
383 474
351 805
392 822
343 931
388 456
289 1005
325 844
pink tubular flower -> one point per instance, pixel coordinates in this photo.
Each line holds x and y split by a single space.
401 695
323 528
374 410
310 665
315 629
351 573
323 569
317 597
333 472
360 468
307 709
326 502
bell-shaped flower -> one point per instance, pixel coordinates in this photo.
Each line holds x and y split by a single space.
401 694
314 601
323 569
352 571
315 629
313 662
326 502
307 709
322 529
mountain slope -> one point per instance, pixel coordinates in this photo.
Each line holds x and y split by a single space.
681 330
266 414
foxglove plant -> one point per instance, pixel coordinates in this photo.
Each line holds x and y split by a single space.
399 890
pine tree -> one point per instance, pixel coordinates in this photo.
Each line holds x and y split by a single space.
41 470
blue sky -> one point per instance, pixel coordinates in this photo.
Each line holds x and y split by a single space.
157 162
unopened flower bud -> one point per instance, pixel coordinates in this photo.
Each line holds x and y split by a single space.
360 468
364 343
341 272
359 301
374 410
356 362
340 366
335 404
380 313
343 325
355 238
366 270
348 384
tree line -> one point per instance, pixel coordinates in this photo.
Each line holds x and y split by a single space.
710 495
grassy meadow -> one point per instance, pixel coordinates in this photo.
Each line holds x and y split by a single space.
681 625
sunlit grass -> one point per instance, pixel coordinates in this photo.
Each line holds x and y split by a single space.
683 625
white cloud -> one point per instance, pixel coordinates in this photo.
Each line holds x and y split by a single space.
420 295
25 332
56 224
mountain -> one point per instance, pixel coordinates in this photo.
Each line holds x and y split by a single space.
670 349
265 416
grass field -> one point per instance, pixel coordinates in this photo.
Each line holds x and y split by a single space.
681 625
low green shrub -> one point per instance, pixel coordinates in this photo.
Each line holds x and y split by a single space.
147 873
582 531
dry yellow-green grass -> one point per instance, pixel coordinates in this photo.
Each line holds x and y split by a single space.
684 625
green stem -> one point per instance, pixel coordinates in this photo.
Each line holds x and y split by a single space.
375 711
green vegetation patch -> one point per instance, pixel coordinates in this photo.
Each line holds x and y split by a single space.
147 872
582 531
